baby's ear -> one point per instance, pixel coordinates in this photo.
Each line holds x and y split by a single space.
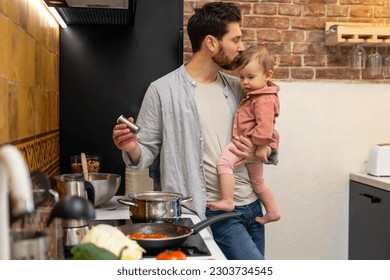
269 74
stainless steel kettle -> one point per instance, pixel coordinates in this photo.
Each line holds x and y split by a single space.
74 230
74 184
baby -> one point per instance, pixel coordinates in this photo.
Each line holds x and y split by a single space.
254 119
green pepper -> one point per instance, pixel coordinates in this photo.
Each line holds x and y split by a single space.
89 251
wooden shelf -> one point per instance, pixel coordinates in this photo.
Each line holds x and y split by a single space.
348 34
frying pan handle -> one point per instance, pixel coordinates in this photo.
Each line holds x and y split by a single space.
126 202
205 223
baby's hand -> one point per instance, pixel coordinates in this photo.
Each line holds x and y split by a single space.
262 153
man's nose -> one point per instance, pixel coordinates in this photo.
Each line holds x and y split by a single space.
241 47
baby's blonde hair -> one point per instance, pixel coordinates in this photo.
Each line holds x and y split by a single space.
264 58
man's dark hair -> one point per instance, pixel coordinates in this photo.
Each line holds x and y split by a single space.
211 19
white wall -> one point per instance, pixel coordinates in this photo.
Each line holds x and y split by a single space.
327 130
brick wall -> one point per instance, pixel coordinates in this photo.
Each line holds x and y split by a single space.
294 31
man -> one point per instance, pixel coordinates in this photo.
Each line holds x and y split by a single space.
186 119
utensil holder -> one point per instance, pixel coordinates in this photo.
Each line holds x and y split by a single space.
36 222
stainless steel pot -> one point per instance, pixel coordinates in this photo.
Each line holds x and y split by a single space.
155 206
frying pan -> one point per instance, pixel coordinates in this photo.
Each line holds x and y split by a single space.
177 233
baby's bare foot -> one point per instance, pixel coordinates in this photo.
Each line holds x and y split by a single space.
224 205
268 218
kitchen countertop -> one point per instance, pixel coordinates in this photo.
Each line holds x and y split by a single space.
122 212
378 182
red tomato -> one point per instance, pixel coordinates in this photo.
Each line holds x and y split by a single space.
171 255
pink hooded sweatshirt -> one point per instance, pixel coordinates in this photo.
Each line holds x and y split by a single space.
255 116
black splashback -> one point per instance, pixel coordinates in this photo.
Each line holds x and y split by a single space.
104 73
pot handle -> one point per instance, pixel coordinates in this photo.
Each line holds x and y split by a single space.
127 202
205 223
186 199
90 191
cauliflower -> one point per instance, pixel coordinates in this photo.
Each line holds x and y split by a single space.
115 241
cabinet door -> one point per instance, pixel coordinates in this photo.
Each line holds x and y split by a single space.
369 223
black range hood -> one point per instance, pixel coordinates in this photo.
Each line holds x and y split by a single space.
102 12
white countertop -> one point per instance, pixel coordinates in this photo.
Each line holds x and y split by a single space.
378 182
122 212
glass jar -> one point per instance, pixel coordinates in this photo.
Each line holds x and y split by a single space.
93 163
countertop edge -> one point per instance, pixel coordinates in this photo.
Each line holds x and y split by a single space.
378 182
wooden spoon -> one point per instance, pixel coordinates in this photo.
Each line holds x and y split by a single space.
84 166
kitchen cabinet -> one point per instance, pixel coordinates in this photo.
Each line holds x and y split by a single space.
369 223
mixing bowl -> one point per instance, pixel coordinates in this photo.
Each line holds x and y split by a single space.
105 185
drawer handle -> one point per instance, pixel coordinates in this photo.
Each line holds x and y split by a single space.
374 199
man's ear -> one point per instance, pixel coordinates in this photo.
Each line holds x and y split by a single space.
210 42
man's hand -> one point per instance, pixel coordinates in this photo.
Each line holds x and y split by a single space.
245 150
124 138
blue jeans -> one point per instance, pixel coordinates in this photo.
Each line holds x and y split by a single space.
240 238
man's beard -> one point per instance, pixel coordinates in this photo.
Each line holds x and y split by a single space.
223 61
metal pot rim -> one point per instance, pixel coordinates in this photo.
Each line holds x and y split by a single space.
154 196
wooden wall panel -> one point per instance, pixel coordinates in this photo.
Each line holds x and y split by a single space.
29 82
4 121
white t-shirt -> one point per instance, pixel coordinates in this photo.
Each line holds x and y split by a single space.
217 122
